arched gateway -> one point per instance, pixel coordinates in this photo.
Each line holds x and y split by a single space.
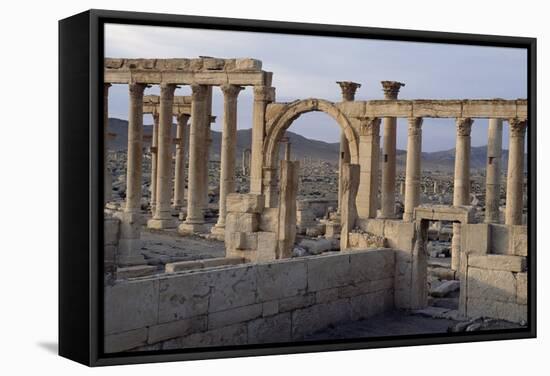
285 114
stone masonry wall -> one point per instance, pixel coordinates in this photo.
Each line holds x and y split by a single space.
269 302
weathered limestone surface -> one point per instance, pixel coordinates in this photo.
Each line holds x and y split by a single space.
287 207
494 158
179 175
369 144
348 215
514 186
412 176
247 304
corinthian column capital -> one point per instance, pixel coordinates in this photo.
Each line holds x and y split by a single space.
370 126
348 90
231 91
464 126
264 93
415 126
199 92
136 90
391 89
517 127
167 91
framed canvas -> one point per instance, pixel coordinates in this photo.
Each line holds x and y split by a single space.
235 187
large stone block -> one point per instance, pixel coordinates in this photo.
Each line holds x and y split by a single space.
372 265
281 279
479 307
266 246
368 305
269 220
519 240
296 302
244 203
327 271
234 316
475 238
491 284
111 228
131 305
498 262
232 287
521 288
500 240
366 287
183 296
270 329
320 316
125 341
232 335
399 235
175 329
241 222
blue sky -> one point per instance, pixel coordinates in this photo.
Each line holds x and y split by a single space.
307 66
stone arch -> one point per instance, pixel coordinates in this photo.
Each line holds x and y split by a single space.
292 111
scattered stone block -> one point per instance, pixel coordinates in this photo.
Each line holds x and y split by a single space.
445 288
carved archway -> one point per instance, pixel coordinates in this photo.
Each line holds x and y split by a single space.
289 113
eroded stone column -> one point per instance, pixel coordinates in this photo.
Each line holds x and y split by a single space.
179 175
387 208
288 188
107 177
154 161
369 151
162 218
413 168
288 150
197 134
228 146
492 183
348 215
262 96
130 227
349 88
514 181
461 193
207 144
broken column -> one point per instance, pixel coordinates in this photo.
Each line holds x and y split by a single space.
228 145
130 227
195 190
413 169
349 89
492 184
461 194
154 161
162 218
179 175
514 182
387 208
288 188
369 151
348 214
245 162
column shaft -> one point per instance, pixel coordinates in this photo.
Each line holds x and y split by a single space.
135 152
163 212
154 161
344 157
514 182
369 151
492 183
179 176
107 178
413 168
262 95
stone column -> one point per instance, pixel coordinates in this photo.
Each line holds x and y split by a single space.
514 181
154 161
107 177
369 151
245 162
287 207
350 185
413 170
195 190
387 209
494 159
130 227
208 143
262 96
287 150
179 176
228 146
349 89
162 218
461 194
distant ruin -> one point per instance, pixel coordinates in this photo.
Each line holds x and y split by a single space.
263 290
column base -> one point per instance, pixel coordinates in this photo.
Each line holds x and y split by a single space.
161 224
218 232
191 228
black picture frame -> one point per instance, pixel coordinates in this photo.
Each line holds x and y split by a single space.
80 179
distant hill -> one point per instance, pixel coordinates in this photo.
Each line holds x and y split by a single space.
304 147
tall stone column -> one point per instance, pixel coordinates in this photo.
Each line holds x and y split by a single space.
288 189
162 217
154 161
369 151
262 96
387 208
349 89
461 194
130 227
208 143
413 170
107 177
179 175
228 146
288 150
514 181
350 185
492 183
195 190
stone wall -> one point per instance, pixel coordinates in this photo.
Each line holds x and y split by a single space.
270 302
111 234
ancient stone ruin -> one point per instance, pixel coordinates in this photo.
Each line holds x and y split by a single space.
290 267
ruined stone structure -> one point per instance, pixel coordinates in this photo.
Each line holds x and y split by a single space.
259 228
